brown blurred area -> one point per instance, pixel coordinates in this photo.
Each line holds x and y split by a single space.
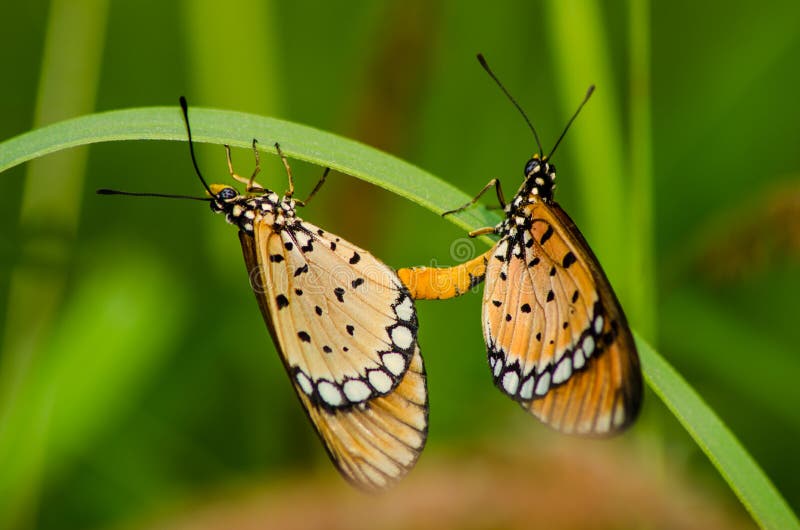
552 482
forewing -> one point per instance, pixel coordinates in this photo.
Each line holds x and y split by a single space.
346 329
557 338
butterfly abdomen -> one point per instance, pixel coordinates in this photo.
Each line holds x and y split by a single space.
438 283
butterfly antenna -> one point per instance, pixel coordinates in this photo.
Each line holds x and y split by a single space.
185 109
485 65
105 191
585 99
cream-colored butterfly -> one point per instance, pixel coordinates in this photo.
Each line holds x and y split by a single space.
344 324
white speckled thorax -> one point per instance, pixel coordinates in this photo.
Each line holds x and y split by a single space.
244 211
538 186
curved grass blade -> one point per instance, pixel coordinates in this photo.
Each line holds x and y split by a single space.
238 129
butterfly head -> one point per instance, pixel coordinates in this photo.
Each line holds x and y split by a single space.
224 197
540 177
244 210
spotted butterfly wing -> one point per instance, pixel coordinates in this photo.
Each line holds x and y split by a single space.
346 330
558 341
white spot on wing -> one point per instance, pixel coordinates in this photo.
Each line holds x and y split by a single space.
405 309
329 393
619 414
302 238
402 337
526 392
304 382
356 390
598 324
394 362
380 381
543 385
588 346
498 367
578 360
511 382
501 248
563 371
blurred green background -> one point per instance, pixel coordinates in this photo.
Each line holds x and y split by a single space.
138 385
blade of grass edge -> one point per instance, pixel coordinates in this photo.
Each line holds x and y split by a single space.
747 480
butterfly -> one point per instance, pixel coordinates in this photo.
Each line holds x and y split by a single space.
343 323
558 341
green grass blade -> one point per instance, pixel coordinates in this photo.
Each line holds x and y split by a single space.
742 474
581 57
641 247
740 471
238 130
49 213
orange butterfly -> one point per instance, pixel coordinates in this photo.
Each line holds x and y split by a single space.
557 338
343 323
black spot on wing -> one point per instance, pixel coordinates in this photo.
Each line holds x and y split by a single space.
547 235
350 329
358 281
550 295
339 292
282 301
305 337
300 270
276 258
355 259
525 308
569 259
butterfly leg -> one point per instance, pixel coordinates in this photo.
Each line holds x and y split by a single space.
482 231
320 182
498 188
285 161
252 185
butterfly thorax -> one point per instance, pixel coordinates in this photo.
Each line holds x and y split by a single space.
244 211
538 186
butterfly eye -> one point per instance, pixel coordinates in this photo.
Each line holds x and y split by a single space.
227 194
531 166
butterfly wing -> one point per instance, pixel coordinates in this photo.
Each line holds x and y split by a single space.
558 340
345 327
